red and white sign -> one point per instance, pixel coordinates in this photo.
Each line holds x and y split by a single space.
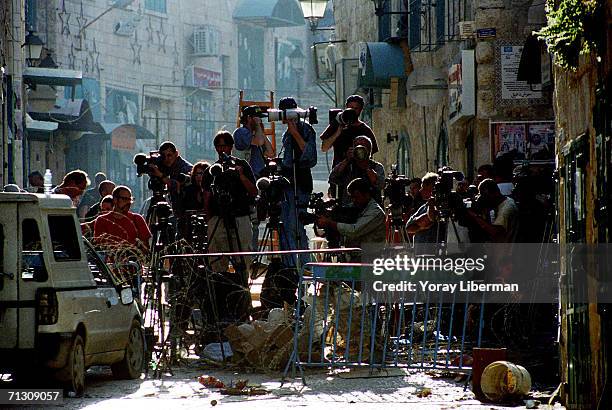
203 78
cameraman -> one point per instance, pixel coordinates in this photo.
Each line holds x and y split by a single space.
172 171
250 142
504 226
423 224
341 137
235 180
369 229
358 166
299 156
252 145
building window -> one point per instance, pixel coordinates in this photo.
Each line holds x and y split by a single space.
30 15
414 30
158 6
442 149
440 21
404 165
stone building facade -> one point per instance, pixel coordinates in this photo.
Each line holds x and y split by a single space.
422 138
583 111
174 69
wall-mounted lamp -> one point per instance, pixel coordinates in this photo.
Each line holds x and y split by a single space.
314 10
33 47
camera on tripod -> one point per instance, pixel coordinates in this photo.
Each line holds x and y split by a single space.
447 201
329 208
395 192
271 189
224 175
143 161
342 118
293 114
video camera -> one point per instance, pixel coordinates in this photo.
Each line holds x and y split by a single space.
342 118
447 201
395 192
271 188
224 175
293 114
332 209
143 161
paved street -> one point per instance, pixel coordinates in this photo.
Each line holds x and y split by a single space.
322 390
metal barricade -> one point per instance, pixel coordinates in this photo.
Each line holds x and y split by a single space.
337 327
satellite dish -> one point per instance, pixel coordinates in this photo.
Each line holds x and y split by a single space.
426 86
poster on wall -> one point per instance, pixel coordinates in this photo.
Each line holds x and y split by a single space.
511 88
528 140
121 107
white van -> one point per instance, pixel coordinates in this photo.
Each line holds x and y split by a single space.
60 306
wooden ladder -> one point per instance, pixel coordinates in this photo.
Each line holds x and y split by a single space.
264 105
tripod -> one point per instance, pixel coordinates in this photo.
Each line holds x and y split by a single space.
396 228
154 314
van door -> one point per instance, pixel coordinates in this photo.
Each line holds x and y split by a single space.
9 283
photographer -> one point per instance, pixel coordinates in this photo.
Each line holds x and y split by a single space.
358 164
504 226
172 171
341 137
250 142
424 224
252 145
230 191
369 228
299 156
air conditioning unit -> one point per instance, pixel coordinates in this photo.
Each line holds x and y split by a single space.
124 28
467 29
205 41
331 53
325 56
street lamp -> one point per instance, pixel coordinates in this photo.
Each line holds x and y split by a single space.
313 10
33 47
296 60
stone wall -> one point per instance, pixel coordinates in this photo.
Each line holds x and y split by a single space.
509 18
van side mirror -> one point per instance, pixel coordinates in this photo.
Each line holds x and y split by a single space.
126 296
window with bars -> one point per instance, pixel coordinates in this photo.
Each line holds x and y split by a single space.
158 6
427 24
205 41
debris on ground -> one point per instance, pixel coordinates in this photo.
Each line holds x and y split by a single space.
424 392
262 344
247 391
211 382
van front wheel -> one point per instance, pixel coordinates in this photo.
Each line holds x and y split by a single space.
131 365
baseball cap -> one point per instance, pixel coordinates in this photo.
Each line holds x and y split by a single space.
253 111
287 103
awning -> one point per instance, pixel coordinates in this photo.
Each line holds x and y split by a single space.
70 115
38 130
123 137
382 61
141 132
270 13
52 76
